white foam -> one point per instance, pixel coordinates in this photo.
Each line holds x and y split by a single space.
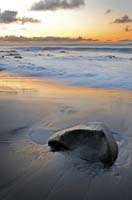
92 66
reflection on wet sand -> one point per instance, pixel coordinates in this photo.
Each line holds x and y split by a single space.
71 104
52 88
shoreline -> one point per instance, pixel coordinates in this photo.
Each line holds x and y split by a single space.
40 83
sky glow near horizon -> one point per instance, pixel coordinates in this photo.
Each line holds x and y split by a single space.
89 21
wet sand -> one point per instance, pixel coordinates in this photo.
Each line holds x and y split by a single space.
31 111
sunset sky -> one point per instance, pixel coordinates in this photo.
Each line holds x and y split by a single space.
91 19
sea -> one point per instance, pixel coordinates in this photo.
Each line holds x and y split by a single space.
95 66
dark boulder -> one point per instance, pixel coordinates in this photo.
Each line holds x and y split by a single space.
91 141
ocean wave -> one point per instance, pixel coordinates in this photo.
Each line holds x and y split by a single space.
66 49
92 69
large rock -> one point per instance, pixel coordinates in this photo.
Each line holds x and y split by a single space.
91 141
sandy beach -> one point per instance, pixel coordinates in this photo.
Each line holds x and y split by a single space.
66 100
31 110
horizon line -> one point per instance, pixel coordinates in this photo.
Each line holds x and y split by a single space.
58 40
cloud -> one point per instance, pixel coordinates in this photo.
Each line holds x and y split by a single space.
24 20
128 29
49 39
122 20
53 5
129 41
9 16
108 11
